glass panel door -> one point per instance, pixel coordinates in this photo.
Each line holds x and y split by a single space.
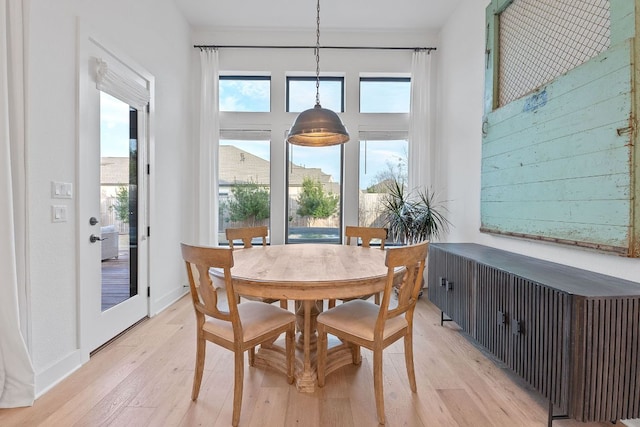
118 200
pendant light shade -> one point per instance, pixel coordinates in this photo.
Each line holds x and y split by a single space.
317 126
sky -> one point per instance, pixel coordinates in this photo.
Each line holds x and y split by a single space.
114 127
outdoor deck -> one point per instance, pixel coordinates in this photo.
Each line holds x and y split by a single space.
115 280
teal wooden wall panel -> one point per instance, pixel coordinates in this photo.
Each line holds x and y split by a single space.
623 20
552 143
607 187
610 66
548 173
568 233
588 212
558 164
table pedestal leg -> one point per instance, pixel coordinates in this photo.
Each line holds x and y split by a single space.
307 311
273 356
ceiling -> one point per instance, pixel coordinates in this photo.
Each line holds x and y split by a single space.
339 15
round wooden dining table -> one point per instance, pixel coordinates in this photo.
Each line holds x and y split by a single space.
308 274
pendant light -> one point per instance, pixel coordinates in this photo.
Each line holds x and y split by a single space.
317 126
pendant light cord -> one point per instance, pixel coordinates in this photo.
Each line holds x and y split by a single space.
318 54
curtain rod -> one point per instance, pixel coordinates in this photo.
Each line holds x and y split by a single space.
428 49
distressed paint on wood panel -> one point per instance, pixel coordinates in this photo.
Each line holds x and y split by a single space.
558 164
623 19
612 60
602 102
634 246
491 61
563 168
554 143
590 187
597 213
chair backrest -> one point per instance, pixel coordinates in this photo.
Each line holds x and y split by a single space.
412 259
247 234
366 234
198 260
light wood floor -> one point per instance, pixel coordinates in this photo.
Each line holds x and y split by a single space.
143 378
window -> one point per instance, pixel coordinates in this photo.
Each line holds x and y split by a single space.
244 180
307 202
301 93
314 194
385 95
314 208
383 160
245 94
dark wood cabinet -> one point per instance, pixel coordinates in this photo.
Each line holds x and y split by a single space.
449 289
572 334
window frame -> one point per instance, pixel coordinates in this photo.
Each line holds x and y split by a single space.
249 135
244 77
288 149
382 79
313 78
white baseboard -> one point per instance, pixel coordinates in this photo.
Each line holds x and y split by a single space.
52 375
55 373
167 300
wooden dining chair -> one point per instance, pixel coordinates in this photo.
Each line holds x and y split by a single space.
246 235
364 324
240 328
366 235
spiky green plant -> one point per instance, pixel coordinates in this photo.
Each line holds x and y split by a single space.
412 218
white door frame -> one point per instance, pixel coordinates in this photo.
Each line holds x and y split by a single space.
97 327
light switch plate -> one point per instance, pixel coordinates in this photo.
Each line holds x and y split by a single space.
58 213
61 190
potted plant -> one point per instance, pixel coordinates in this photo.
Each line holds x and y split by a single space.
413 217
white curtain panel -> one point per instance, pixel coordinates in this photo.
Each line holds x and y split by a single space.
17 387
208 150
420 122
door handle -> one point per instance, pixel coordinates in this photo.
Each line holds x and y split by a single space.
93 238
517 327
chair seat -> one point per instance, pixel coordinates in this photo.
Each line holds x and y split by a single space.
257 318
358 318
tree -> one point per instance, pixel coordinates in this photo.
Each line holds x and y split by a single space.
249 203
121 205
393 173
313 202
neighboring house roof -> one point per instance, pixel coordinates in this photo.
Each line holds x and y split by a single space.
114 170
237 165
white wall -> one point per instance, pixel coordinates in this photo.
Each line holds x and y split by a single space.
154 34
461 91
